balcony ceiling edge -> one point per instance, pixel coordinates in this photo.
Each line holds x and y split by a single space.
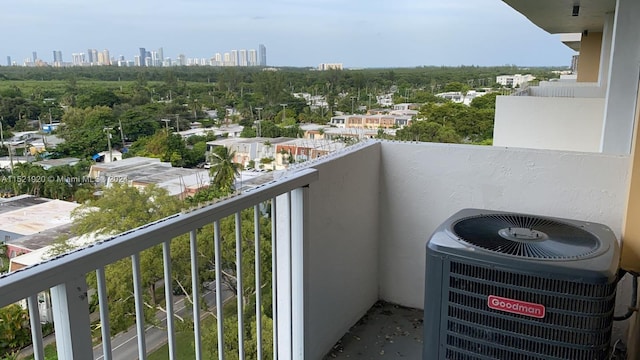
556 16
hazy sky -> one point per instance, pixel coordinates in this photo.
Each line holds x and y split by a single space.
357 33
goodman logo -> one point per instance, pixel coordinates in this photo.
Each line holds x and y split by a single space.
516 306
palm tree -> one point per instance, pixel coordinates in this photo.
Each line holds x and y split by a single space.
223 170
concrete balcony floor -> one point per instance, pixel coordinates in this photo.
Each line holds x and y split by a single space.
386 331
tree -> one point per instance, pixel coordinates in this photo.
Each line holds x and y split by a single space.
97 97
122 208
83 130
223 170
487 101
14 329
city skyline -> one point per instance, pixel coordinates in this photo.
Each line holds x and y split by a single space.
357 34
143 57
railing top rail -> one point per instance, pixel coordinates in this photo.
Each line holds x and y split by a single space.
18 285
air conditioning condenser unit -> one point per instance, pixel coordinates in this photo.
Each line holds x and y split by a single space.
515 286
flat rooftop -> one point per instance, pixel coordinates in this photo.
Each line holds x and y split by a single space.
19 202
34 215
42 239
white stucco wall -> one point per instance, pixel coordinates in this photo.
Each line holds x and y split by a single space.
423 184
342 264
556 123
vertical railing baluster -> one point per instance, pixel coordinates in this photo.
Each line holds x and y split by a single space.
137 293
70 310
219 304
298 228
195 293
274 278
36 328
256 230
168 297
239 286
103 305
283 251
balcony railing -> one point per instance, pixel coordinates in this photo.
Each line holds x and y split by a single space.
65 276
364 221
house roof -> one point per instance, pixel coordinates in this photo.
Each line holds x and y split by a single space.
42 239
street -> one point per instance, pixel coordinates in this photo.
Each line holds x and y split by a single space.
124 346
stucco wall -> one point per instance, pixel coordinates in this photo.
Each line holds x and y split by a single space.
556 123
423 184
342 248
589 61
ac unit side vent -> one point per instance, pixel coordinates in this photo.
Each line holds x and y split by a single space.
526 236
458 355
533 282
577 306
538 331
494 352
487 337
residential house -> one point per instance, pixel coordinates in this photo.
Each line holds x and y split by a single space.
141 172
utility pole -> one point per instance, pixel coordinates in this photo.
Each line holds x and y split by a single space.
178 121
8 145
259 125
166 123
284 112
108 131
121 131
1 133
44 135
352 102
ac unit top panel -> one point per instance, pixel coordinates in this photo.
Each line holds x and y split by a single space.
491 235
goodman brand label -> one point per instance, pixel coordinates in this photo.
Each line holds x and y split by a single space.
516 306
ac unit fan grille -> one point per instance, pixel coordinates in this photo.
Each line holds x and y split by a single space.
526 236
534 282
575 326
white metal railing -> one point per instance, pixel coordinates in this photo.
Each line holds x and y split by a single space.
65 276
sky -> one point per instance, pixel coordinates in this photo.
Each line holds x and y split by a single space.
356 33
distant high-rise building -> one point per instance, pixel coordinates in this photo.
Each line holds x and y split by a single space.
182 60
94 54
262 53
160 56
90 57
234 58
101 59
330 66
253 57
35 57
77 59
57 58
143 56
227 59
136 60
8 60
242 58
106 58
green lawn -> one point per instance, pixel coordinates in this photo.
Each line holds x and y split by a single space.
184 344
49 353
